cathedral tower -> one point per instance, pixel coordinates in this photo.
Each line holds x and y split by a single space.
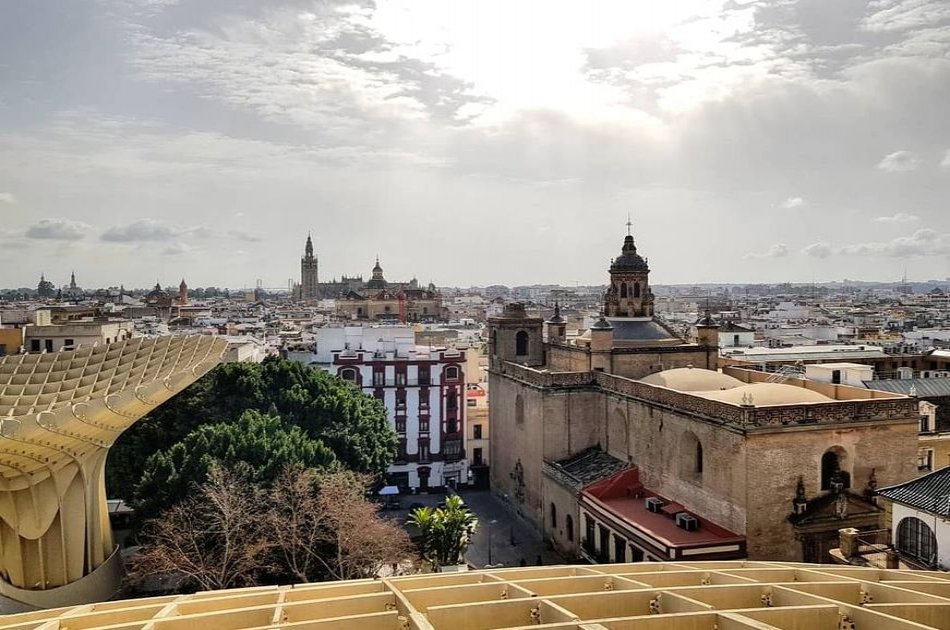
629 293
309 289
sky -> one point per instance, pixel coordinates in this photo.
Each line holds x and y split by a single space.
473 142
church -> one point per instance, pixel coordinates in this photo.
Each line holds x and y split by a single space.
377 299
627 442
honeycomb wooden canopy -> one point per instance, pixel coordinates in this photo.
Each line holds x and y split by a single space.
669 596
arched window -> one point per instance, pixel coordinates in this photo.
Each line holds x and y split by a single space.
833 469
519 409
553 516
569 526
623 289
690 457
521 343
451 373
636 290
348 374
916 539
699 458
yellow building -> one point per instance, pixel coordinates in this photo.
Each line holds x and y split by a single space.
11 340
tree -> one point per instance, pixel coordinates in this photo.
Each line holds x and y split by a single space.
323 526
304 526
261 443
217 538
325 407
446 532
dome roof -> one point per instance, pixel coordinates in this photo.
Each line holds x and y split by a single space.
692 380
629 259
767 394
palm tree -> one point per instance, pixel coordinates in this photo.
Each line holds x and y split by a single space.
446 532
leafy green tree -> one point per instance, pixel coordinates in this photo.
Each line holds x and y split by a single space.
325 407
260 445
446 532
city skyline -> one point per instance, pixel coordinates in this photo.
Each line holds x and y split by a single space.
473 143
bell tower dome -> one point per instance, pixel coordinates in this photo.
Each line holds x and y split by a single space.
629 293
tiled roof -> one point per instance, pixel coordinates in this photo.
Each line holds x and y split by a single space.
925 387
588 466
930 493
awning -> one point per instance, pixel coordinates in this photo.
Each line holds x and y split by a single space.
388 491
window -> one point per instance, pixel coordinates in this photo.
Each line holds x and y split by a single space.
836 376
49 344
476 431
401 450
379 377
424 378
471 402
925 424
451 402
69 343
553 516
451 373
452 449
636 289
424 455
521 343
735 340
603 550
831 471
400 424
925 460
569 527
424 424
348 374
477 457
589 533
400 379
917 540
623 289
620 549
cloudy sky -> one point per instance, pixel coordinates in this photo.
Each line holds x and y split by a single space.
473 142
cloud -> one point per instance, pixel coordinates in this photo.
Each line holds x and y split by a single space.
241 235
177 249
945 162
778 250
899 161
6 197
923 242
793 202
141 230
57 229
818 250
900 217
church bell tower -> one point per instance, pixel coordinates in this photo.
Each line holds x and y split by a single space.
629 293
309 289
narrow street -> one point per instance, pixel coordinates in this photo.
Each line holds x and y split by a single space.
512 541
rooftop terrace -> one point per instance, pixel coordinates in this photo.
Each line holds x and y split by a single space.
669 596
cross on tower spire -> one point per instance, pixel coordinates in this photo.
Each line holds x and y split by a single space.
629 224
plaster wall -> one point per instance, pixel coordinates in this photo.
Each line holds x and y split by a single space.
939 526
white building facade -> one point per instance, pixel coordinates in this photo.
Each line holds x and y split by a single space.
423 389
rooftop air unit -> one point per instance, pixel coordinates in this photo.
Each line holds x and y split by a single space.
687 521
654 504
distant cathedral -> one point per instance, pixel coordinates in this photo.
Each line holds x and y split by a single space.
375 299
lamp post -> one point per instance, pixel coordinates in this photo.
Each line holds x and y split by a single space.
490 523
